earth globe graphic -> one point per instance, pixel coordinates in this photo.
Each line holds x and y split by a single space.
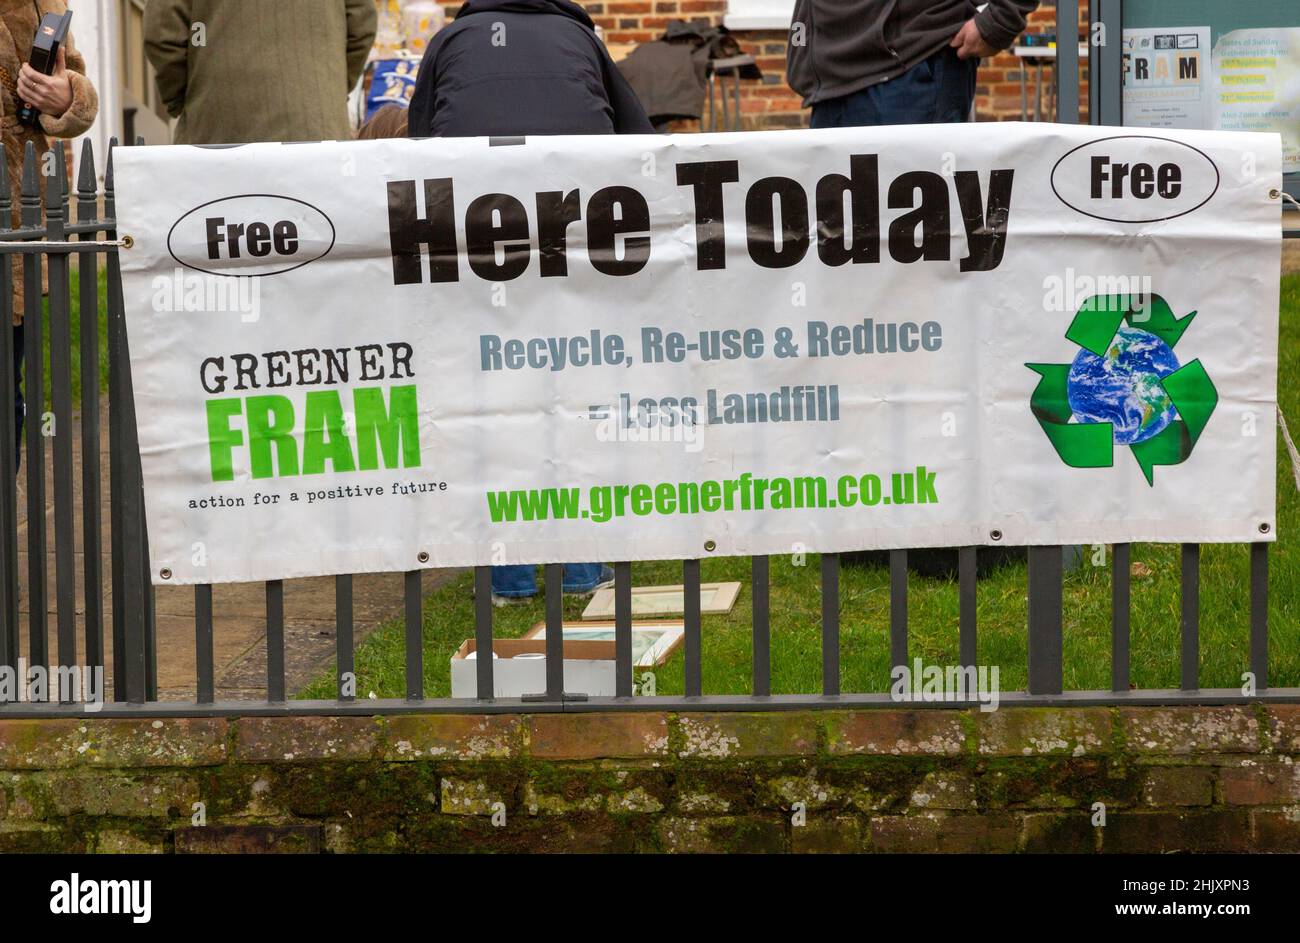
1122 386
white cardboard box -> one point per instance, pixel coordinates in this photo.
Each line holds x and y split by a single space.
519 668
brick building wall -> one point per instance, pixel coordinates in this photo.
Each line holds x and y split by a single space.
771 103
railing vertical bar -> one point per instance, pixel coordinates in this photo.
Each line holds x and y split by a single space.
65 541
483 632
92 537
967 589
830 624
275 641
150 607
1066 73
761 589
9 629
1190 609
554 583
203 643
135 595
1106 64
1093 19
9 647
34 374
150 629
623 629
1120 616
135 600
898 608
1045 619
414 635
344 649
1259 614
117 408
691 620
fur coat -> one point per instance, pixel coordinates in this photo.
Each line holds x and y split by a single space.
18 21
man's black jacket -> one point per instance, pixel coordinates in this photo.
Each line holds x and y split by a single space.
518 67
838 47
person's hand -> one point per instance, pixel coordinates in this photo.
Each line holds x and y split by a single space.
52 94
970 44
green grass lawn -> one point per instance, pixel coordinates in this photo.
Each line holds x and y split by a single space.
74 314
933 611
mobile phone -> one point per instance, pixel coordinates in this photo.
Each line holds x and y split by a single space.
50 36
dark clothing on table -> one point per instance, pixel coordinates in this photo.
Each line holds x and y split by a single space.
669 79
670 76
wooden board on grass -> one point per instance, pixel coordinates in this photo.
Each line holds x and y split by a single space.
656 601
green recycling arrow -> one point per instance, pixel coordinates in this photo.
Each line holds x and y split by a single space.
1081 445
1098 318
1092 445
1194 396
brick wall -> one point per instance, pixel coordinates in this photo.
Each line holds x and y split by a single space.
997 93
771 104
1017 779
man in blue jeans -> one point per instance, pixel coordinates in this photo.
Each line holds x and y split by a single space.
518 584
879 62
861 63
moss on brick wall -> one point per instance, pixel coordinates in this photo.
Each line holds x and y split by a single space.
1018 779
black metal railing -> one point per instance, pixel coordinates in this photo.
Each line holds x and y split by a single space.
133 620
47 236
46 232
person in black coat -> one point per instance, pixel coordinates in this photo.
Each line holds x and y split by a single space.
520 67
512 68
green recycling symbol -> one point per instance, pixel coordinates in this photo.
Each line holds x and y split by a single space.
1125 387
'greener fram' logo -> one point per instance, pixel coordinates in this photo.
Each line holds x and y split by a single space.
1124 387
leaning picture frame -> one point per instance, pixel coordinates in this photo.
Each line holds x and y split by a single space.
659 601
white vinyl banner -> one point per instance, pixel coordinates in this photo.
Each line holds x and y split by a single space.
389 355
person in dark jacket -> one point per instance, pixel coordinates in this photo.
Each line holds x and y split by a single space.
520 67
877 62
513 68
